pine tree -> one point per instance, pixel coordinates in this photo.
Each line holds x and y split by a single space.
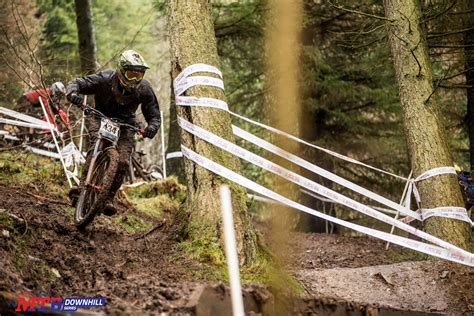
424 129
193 41
86 36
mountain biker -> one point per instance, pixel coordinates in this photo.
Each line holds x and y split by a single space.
52 98
117 94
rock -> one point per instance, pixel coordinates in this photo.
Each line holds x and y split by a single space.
55 272
34 258
5 233
444 274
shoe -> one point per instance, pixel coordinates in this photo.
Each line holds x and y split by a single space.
109 208
74 195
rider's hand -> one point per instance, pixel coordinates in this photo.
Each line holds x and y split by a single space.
75 99
150 131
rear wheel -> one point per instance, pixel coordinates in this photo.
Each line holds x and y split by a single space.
93 197
154 173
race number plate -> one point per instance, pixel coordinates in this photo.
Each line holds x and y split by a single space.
109 129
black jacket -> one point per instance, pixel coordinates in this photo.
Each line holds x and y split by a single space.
110 99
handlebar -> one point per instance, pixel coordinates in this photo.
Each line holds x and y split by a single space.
90 110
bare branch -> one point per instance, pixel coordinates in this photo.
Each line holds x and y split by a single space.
340 7
448 8
462 12
450 33
437 85
451 46
455 86
129 43
15 71
458 74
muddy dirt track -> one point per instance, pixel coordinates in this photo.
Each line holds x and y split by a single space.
133 271
145 273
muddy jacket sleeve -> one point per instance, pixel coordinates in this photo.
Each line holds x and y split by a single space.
86 85
150 107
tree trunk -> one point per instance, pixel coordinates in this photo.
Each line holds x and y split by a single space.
468 20
86 36
174 166
308 129
193 41
424 130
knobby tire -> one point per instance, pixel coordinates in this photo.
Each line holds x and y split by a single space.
92 200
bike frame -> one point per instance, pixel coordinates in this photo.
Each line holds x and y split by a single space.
98 148
99 144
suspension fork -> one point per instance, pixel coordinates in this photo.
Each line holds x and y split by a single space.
95 154
130 166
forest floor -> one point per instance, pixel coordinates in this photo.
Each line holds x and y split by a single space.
133 260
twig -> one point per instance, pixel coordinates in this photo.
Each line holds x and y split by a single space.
11 215
26 224
437 84
458 74
157 226
16 72
129 43
27 43
39 197
456 86
372 30
440 13
450 33
361 13
451 46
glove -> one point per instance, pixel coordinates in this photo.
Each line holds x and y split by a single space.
150 131
75 99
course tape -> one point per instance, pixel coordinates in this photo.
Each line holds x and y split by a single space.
304 182
323 199
23 117
174 154
189 82
7 135
320 171
261 198
42 152
459 213
23 124
218 104
428 174
449 251
459 256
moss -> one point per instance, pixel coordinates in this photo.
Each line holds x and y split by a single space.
204 250
264 269
158 198
169 186
406 255
20 168
6 222
131 223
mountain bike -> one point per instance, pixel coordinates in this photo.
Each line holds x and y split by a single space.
137 170
102 168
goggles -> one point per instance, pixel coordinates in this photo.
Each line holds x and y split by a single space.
133 75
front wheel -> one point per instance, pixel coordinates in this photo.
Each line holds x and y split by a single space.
94 195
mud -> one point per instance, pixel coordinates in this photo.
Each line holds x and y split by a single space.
144 272
133 271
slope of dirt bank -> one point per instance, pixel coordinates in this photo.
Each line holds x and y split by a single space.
44 253
415 286
359 270
132 259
